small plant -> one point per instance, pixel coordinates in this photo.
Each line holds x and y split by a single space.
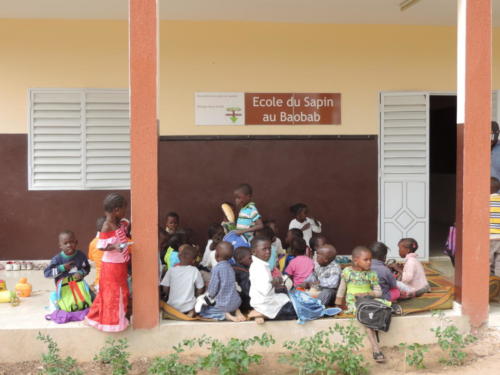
171 365
231 358
114 353
451 341
414 354
318 355
52 363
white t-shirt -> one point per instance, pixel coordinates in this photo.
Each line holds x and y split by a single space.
182 281
205 261
278 246
263 297
313 228
213 262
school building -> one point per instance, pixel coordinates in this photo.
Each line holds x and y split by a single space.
96 97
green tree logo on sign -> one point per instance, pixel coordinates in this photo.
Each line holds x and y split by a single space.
233 113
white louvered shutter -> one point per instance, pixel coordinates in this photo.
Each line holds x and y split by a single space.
107 135
55 140
404 170
79 139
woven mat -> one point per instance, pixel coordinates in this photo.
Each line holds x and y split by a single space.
494 289
169 313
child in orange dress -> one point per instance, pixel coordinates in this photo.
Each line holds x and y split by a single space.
94 254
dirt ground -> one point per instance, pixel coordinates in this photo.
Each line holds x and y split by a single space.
483 358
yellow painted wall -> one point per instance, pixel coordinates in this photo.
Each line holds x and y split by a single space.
358 61
57 53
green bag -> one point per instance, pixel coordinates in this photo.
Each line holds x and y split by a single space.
73 295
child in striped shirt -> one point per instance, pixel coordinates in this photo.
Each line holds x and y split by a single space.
249 219
494 227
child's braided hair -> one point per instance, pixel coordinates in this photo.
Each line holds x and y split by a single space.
410 243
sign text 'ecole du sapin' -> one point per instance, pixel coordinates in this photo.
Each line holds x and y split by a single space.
235 108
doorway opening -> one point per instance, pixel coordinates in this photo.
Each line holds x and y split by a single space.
442 170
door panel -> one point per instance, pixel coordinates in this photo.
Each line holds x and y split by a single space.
404 170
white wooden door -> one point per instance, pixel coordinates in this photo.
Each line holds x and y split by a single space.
404 170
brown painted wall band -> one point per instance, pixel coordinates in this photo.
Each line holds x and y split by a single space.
337 178
165 138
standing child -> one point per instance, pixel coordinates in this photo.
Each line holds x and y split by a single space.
263 297
241 267
301 266
183 283
386 278
249 219
413 280
495 225
69 262
109 308
326 274
360 281
94 254
306 224
222 288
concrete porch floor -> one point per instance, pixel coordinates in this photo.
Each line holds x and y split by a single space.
20 325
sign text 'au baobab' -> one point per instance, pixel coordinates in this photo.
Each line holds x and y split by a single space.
292 109
234 108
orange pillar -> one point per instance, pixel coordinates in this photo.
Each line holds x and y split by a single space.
143 55
474 112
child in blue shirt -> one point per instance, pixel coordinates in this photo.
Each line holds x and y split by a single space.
70 261
222 288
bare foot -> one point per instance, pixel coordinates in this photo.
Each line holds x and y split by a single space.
190 314
254 314
240 316
231 317
259 318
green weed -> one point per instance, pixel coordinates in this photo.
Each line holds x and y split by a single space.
451 341
318 355
414 354
115 354
52 363
231 358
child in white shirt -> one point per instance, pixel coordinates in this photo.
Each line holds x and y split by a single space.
263 297
215 235
182 283
307 225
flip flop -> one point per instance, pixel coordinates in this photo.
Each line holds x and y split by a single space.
379 357
397 309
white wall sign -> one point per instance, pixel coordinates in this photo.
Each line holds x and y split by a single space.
219 108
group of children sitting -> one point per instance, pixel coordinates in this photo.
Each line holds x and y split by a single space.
249 280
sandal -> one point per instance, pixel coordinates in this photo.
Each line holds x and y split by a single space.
379 357
397 309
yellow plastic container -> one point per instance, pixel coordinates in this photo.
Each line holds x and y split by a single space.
23 287
7 296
